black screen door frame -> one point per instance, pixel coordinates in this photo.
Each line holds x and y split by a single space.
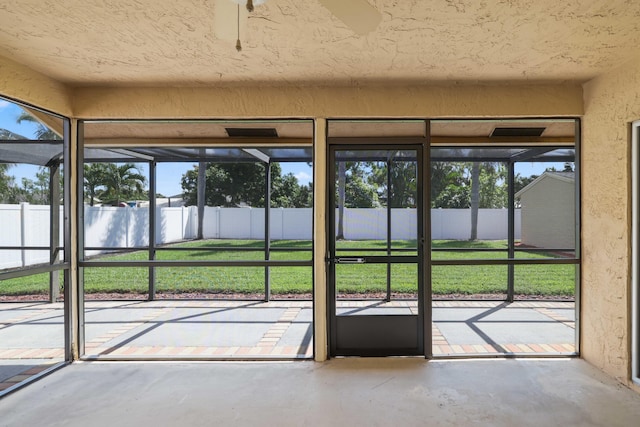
381 335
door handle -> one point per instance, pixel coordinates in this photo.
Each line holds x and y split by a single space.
350 260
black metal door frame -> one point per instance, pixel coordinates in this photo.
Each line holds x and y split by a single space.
399 335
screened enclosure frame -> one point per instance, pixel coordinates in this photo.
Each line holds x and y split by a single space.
448 149
20 151
528 149
206 152
531 153
214 150
53 154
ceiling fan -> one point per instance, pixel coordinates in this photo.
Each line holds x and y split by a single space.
358 15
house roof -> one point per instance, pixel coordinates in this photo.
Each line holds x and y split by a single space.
560 176
314 42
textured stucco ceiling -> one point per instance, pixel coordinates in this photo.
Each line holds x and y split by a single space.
182 43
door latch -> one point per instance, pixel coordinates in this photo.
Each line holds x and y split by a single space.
350 260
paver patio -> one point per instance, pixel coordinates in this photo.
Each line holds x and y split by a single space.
32 334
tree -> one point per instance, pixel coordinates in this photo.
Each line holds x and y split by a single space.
42 131
354 189
243 184
360 191
488 190
201 185
463 185
475 199
227 184
38 189
493 186
94 177
449 185
31 191
404 181
522 181
286 192
7 184
122 182
342 184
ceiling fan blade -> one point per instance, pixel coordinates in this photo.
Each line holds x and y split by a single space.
358 15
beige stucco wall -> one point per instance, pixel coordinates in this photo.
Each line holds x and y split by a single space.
612 101
548 214
23 84
302 101
395 100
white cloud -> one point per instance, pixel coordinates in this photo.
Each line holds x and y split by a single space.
4 104
303 177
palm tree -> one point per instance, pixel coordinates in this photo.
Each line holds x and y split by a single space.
41 132
94 175
6 181
122 182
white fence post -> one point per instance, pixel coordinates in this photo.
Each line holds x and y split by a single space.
24 218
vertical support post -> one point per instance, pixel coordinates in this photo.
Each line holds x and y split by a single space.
76 293
54 229
577 162
320 298
267 229
69 302
152 229
425 293
388 298
511 244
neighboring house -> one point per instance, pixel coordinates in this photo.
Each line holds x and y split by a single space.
548 211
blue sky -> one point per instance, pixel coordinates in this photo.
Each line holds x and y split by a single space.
9 112
169 175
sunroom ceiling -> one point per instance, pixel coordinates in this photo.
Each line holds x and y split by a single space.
192 43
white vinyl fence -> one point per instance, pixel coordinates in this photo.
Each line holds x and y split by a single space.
248 223
113 227
446 224
25 225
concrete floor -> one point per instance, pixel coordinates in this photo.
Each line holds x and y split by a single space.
349 392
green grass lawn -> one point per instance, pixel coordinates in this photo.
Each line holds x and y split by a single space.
555 280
